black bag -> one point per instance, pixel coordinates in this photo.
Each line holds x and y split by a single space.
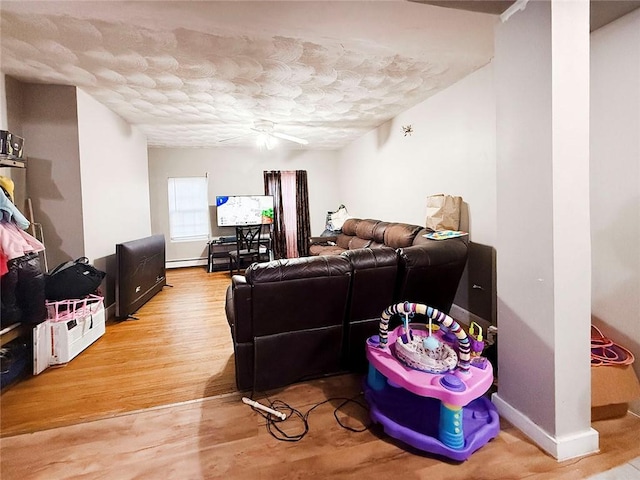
73 279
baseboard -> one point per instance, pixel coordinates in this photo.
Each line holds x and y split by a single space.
561 448
194 262
110 311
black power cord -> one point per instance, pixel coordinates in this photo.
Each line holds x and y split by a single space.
273 423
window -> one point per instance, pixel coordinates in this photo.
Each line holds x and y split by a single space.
188 209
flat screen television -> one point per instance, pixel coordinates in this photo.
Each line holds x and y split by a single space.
140 273
244 210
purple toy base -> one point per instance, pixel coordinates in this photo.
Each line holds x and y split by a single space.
414 420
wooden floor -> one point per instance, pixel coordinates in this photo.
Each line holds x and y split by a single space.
180 349
139 404
220 437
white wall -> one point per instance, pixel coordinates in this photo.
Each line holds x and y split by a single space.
542 81
50 129
235 171
114 178
86 174
615 180
4 125
386 175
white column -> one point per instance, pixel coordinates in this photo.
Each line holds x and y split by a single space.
543 246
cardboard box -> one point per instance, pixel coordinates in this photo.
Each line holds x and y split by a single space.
612 388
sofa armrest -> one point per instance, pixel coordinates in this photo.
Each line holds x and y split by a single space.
238 280
435 252
238 309
429 273
422 240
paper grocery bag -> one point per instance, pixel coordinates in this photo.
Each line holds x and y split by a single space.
443 212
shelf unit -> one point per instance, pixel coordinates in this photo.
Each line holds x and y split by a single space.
218 252
16 330
11 161
12 332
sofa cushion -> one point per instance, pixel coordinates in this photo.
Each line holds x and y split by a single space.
350 226
317 352
343 240
374 273
357 242
399 235
325 250
365 228
298 294
378 232
420 239
373 281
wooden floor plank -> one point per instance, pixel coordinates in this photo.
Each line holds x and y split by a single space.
220 437
155 398
180 349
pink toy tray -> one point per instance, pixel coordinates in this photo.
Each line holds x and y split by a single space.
457 387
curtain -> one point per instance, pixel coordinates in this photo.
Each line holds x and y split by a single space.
288 183
303 223
291 224
272 186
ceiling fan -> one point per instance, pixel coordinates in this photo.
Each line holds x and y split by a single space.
267 136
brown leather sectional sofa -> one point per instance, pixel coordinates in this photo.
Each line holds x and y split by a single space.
368 233
301 318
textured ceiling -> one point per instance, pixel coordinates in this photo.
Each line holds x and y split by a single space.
601 12
198 73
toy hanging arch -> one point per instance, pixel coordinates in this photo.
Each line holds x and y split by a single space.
411 352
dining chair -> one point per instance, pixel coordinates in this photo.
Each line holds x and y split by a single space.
247 246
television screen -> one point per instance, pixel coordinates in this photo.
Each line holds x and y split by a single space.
244 210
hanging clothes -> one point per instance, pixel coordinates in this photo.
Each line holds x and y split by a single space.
22 285
22 291
15 242
10 213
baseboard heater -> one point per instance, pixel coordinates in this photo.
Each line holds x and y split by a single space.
140 273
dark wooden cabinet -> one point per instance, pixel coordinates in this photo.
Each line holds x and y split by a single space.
477 289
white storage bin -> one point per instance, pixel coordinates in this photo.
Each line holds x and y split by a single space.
78 325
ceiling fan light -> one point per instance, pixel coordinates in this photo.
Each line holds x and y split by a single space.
266 141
